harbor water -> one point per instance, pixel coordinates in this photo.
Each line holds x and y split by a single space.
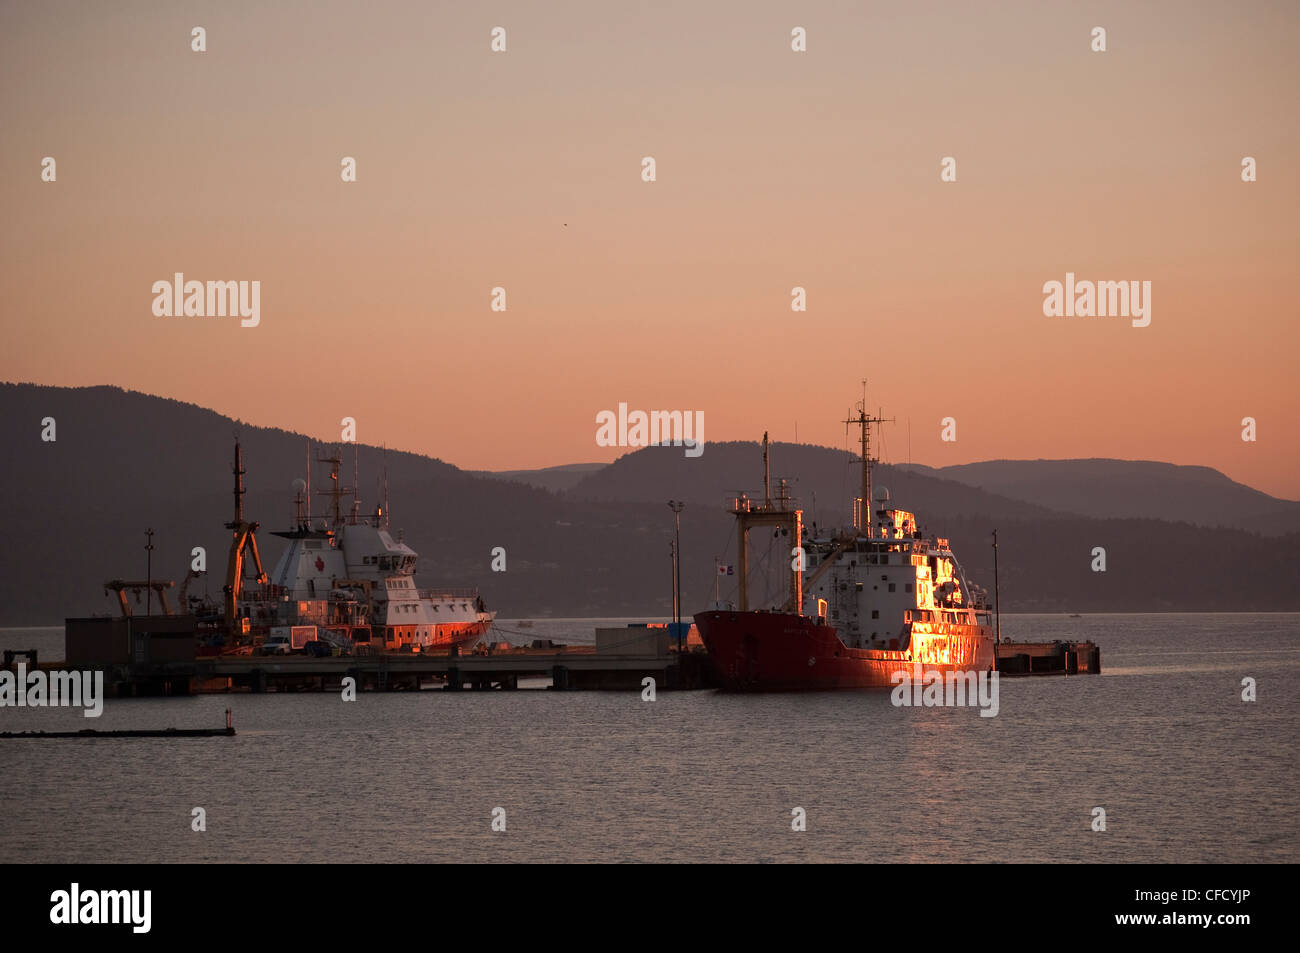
1185 770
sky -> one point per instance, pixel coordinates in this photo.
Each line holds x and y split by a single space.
774 169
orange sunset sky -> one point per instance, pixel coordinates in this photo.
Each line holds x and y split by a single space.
522 169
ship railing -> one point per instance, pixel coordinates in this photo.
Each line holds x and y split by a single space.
447 593
754 503
272 594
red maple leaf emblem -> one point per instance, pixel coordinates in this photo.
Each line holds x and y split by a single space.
320 564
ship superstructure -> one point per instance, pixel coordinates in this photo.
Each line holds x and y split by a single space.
862 604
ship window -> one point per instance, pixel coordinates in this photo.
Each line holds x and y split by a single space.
859 587
907 588
875 613
884 578
891 587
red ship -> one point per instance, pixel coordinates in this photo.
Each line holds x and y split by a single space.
877 600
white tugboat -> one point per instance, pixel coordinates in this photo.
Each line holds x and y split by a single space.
344 580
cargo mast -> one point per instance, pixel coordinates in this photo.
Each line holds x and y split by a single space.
781 514
863 512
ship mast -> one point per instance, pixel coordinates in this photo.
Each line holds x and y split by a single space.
307 524
239 487
356 483
336 490
767 474
865 422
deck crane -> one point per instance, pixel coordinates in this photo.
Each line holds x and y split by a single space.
243 543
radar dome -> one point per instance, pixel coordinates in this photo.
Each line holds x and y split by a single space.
299 485
881 494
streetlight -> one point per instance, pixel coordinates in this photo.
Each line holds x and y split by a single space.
148 596
677 506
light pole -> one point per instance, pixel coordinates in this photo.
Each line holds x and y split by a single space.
148 596
997 603
997 590
677 506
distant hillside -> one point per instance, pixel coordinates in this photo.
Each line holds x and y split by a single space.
77 508
825 481
555 479
1151 566
125 461
1109 489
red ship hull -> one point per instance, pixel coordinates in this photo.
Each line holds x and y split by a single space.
786 652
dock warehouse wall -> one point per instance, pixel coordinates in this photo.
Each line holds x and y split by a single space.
121 641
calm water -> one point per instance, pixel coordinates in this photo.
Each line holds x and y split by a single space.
1185 770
